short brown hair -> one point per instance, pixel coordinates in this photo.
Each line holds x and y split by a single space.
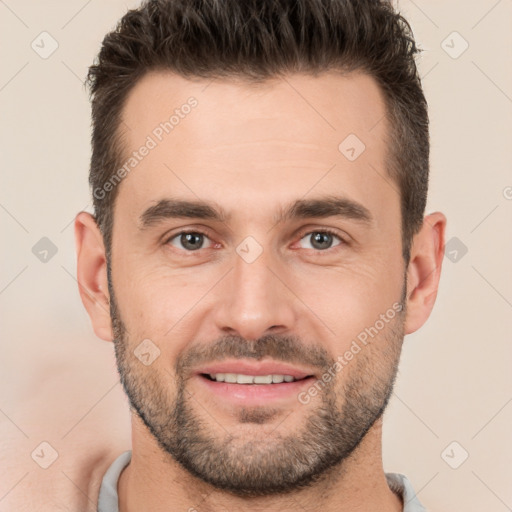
257 40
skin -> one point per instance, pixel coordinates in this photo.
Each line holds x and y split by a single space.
253 149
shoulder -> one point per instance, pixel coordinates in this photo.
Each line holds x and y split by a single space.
87 477
401 486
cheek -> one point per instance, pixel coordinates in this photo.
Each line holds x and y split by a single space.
348 299
162 305
139 302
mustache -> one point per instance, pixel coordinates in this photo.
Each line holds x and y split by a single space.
290 349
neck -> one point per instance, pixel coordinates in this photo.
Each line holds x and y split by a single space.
154 481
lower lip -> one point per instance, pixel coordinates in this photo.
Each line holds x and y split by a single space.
255 394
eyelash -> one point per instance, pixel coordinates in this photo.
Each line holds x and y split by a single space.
343 241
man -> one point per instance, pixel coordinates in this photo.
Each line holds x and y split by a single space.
259 249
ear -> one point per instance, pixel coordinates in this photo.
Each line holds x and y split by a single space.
424 271
92 274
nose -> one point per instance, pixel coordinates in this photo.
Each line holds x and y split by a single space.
254 300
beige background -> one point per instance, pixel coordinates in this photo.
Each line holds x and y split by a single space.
58 381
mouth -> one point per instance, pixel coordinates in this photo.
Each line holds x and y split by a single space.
250 384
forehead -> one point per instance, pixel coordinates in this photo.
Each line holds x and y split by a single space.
330 103
231 140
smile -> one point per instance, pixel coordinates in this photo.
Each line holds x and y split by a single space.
240 378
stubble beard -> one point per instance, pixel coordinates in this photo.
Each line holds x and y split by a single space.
278 463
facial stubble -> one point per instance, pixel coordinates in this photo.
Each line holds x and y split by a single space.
278 463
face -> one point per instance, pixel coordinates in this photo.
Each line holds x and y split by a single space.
256 274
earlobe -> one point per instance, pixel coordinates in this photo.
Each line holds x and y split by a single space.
92 274
424 270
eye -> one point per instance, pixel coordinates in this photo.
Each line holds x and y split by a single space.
319 240
189 240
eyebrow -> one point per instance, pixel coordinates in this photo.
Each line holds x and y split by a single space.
328 206
176 209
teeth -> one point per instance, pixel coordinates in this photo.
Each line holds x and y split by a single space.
244 379
240 378
263 379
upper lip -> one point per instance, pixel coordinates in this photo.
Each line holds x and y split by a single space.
246 367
